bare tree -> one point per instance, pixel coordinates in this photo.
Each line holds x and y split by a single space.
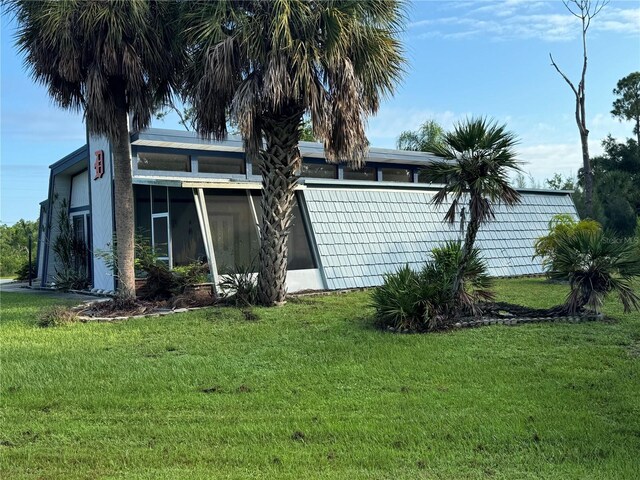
585 10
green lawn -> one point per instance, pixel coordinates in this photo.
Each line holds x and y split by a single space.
312 390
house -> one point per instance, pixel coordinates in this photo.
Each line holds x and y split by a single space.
198 199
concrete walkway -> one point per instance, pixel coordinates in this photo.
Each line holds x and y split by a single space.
10 286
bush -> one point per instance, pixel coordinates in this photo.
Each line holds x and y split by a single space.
239 286
23 272
56 316
596 265
70 279
423 300
561 225
192 274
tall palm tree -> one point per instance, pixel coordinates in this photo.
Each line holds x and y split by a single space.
476 158
263 65
115 61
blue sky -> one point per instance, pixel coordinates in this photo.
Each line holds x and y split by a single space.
465 58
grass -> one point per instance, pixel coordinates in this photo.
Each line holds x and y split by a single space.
312 390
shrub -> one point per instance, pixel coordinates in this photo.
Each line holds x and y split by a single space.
561 225
423 300
477 283
23 272
596 265
192 274
56 316
239 286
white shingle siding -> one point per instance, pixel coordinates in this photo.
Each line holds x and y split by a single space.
363 233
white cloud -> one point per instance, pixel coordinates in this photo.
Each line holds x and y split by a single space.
521 19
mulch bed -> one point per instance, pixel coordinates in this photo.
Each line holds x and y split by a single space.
116 309
509 314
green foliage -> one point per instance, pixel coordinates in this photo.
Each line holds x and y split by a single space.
56 316
560 225
239 286
424 139
424 300
13 246
23 272
192 274
558 182
617 186
476 158
595 266
70 254
627 105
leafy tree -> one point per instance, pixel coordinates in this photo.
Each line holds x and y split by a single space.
264 66
558 182
617 186
585 11
477 158
13 246
627 105
115 61
421 140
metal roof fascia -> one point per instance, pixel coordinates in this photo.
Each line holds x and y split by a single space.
75 157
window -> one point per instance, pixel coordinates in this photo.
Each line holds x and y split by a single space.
229 165
142 200
318 170
396 175
160 236
186 242
365 173
164 161
233 229
299 257
159 196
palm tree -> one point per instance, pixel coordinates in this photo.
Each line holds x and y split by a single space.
115 61
596 265
263 65
476 159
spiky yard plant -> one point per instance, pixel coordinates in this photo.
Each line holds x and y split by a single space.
423 300
113 60
476 159
595 266
263 65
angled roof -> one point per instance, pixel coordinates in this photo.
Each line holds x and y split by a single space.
361 234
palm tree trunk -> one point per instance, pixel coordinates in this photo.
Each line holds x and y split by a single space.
123 202
279 163
467 247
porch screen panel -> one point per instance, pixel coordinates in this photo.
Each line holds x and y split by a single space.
300 257
142 199
235 239
186 236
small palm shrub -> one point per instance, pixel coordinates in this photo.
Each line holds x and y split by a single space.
560 225
424 300
595 266
239 287
477 284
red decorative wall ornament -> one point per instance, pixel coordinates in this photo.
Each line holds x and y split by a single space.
99 164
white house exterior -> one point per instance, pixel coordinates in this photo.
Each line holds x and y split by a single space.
199 200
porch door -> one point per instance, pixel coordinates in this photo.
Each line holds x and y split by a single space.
160 237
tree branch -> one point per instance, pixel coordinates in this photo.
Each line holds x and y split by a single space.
566 79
